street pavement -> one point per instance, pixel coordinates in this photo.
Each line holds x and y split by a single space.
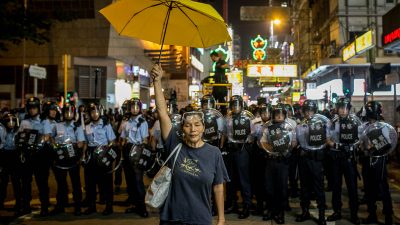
119 217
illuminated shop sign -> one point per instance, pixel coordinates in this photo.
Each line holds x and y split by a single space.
260 70
364 42
259 44
391 37
349 51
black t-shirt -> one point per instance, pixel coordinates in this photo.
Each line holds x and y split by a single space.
196 171
220 77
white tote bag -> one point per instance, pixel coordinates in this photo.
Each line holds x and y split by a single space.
159 188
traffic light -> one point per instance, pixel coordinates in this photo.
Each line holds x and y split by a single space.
70 97
334 98
347 81
376 81
326 96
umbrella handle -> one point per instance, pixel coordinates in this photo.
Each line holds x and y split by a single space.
164 32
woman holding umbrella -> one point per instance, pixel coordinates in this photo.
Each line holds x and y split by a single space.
199 168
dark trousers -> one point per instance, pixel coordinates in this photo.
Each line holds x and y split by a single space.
134 183
311 179
62 186
257 172
162 222
94 176
9 165
238 161
343 166
41 170
293 172
376 182
276 184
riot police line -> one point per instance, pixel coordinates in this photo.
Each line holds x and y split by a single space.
280 144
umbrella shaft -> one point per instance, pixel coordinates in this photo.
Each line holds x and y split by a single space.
164 32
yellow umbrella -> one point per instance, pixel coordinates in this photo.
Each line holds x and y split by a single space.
172 22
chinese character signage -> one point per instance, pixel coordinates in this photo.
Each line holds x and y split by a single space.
259 44
260 70
349 51
364 42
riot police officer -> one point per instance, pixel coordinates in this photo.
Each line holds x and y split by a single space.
32 157
99 137
343 137
69 141
9 159
213 121
378 140
311 136
278 139
239 130
135 135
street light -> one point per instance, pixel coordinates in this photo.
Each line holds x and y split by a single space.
276 22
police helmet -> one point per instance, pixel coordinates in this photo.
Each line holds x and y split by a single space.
97 109
49 105
124 107
33 102
208 101
309 105
236 102
343 102
279 108
9 120
68 111
373 110
135 102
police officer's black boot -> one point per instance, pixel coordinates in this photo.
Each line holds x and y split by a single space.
354 219
280 218
372 218
142 211
321 217
245 212
77 210
90 210
108 210
337 215
389 219
305 215
57 210
268 215
231 208
44 211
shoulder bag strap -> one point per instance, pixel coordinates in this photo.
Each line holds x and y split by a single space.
176 149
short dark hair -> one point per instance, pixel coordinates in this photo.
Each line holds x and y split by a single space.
213 53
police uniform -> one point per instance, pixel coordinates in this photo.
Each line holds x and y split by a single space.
240 133
311 169
98 134
74 134
344 132
135 132
34 163
375 177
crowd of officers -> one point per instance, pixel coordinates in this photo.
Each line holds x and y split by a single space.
267 150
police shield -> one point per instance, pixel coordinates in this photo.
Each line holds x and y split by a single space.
348 129
176 120
241 126
211 121
383 138
66 156
316 133
104 157
28 142
278 137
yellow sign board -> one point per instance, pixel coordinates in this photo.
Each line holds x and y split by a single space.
274 79
349 51
364 42
296 96
262 70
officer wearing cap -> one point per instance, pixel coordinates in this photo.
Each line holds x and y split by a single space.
30 156
343 137
239 131
9 159
278 138
135 133
311 136
98 133
374 166
69 133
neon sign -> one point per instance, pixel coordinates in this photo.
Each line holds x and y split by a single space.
259 44
392 36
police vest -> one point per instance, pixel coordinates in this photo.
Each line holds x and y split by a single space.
211 127
316 134
348 132
279 138
241 128
378 140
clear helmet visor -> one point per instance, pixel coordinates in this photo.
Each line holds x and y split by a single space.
69 114
236 107
11 123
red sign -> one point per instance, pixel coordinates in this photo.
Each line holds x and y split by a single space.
389 38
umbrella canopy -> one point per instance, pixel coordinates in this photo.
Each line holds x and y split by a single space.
172 22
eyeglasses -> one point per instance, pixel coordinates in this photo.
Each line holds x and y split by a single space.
191 115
